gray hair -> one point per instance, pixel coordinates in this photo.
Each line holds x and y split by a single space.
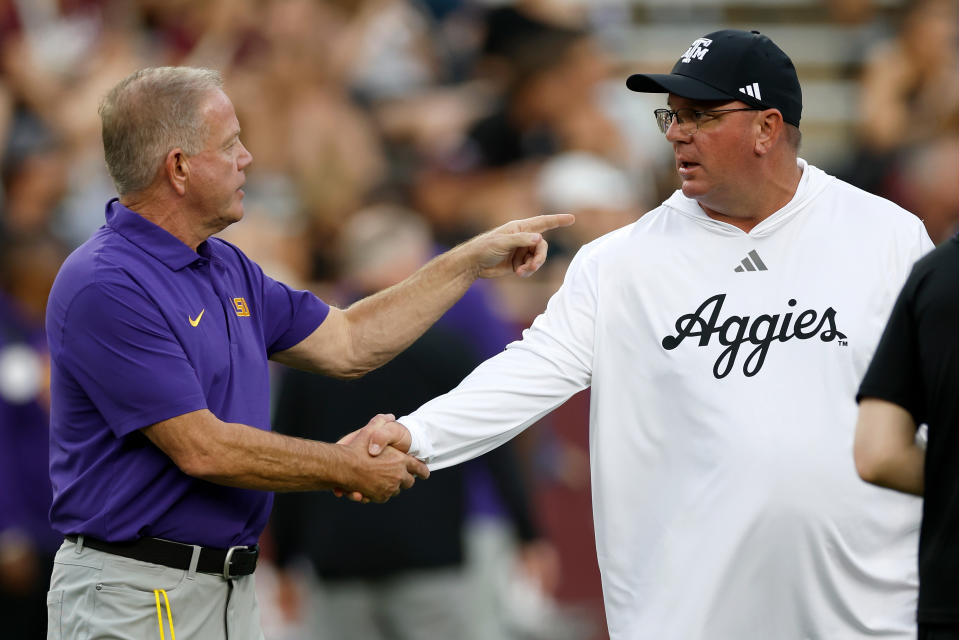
147 114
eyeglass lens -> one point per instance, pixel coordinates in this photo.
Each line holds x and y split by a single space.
685 119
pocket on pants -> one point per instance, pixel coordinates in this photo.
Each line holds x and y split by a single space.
131 613
54 609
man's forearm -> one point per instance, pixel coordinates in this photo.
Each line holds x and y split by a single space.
885 448
903 471
238 455
242 456
386 323
371 332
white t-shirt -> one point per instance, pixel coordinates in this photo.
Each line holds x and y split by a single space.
723 368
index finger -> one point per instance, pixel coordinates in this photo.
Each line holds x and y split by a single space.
545 222
417 468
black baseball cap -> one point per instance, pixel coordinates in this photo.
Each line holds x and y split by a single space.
731 65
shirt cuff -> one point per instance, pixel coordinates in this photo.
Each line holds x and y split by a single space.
420 446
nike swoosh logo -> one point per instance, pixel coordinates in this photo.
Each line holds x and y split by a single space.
193 322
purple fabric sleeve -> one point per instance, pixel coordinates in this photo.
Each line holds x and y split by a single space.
291 315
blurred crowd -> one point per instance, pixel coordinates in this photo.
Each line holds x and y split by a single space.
383 131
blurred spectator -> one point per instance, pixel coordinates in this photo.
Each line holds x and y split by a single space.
386 49
212 33
27 543
33 178
864 23
394 570
58 66
313 147
550 98
550 77
926 185
910 90
602 195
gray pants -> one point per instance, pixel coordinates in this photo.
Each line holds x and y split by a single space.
416 605
98 596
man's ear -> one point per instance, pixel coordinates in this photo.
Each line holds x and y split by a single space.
770 128
177 169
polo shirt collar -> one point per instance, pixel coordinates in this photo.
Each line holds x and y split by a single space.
152 239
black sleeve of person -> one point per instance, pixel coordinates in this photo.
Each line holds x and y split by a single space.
504 466
917 362
894 372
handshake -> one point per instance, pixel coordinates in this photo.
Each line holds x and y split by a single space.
378 466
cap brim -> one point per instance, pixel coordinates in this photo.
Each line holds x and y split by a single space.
682 86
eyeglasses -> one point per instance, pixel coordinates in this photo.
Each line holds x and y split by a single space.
689 120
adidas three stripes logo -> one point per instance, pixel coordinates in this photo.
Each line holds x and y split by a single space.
752 90
752 262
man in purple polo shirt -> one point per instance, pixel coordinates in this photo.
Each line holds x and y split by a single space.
161 454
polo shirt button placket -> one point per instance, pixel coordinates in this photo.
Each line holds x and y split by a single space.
216 270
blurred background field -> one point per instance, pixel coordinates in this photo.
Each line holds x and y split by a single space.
383 131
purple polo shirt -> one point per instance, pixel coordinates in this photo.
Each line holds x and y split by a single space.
141 328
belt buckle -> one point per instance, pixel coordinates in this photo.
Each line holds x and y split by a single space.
228 561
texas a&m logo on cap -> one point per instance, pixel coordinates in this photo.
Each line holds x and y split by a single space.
697 50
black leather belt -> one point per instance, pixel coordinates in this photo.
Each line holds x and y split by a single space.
229 563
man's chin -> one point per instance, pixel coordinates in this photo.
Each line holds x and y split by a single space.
691 189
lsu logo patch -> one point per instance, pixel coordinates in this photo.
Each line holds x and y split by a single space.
242 310
697 50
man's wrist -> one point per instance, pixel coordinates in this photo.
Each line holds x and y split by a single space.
348 467
464 262
419 448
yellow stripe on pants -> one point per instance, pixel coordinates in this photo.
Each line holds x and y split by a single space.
169 613
156 594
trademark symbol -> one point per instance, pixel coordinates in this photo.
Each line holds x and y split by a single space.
843 343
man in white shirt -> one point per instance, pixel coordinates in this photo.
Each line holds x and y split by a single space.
723 336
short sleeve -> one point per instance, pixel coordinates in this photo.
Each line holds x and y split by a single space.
291 314
120 350
894 374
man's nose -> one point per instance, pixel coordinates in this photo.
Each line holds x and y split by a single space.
246 158
674 133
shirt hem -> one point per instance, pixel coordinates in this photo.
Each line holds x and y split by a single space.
128 426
